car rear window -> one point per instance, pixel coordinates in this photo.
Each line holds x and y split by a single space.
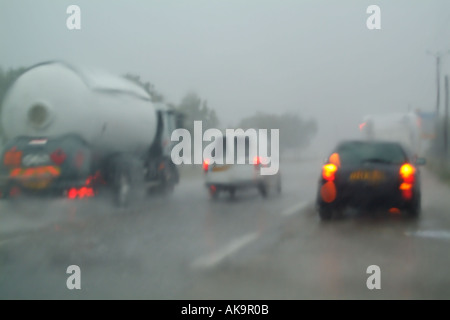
375 152
233 144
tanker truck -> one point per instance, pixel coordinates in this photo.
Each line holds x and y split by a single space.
399 127
75 132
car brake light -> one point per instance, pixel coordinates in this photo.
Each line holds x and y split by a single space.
12 157
329 171
206 165
407 173
58 157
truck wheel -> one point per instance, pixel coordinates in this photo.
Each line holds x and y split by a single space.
123 189
168 177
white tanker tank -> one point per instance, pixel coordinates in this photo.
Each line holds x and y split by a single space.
109 112
65 125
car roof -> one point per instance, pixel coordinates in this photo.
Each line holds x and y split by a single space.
373 142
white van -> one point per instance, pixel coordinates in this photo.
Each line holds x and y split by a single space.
243 172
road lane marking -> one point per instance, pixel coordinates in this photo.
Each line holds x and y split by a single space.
434 234
211 260
215 258
295 209
11 239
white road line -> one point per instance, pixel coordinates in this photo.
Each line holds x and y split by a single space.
294 209
213 259
6 241
434 234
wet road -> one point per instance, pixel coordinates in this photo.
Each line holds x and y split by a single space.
186 246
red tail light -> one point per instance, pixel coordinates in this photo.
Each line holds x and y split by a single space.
362 125
58 157
72 194
83 192
329 172
407 174
258 161
206 165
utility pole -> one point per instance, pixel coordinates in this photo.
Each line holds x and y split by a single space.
446 120
438 83
438 56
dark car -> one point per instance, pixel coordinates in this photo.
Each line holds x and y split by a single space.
370 175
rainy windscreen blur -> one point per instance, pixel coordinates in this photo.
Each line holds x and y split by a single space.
114 183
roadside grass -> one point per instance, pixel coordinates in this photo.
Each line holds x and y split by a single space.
440 168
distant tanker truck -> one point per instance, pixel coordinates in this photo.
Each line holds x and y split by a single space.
72 131
404 128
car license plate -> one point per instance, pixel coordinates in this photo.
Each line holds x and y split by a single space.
220 168
372 176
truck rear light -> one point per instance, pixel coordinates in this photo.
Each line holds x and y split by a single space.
329 172
58 157
83 192
12 157
94 180
72 194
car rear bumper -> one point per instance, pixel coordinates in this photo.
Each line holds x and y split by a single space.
233 185
368 198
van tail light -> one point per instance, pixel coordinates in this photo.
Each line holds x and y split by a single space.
206 163
407 175
329 172
259 162
58 157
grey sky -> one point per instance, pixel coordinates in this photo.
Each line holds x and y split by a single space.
316 58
